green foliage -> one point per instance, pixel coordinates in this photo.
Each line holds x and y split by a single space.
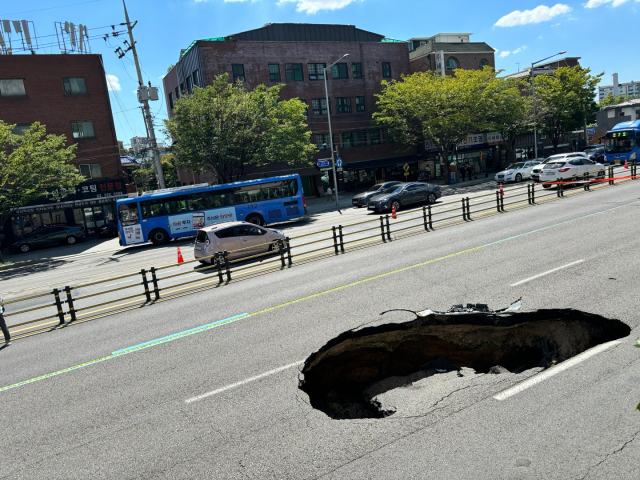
229 131
145 176
565 101
611 100
170 67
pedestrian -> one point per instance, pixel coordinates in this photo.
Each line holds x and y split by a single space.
330 195
463 171
469 172
3 325
428 172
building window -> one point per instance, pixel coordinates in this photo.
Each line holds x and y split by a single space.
82 129
171 105
20 129
189 82
196 79
347 139
356 70
339 70
91 171
386 70
319 106
483 63
343 105
238 73
360 139
293 72
306 106
359 104
621 114
12 87
376 138
177 93
274 72
316 70
452 63
322 141
74 86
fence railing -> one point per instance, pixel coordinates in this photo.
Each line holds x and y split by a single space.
64 306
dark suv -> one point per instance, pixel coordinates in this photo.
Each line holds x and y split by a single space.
45 236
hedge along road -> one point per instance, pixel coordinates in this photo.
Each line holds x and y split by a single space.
174 279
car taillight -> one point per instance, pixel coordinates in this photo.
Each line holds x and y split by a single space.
81 229
564 169
304 201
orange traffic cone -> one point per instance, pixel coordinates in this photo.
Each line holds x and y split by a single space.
626 164
180 259
393 212
501 191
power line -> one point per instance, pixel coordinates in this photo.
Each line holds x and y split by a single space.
49 8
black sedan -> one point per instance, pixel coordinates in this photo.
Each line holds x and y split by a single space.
361 199
45 236
404 194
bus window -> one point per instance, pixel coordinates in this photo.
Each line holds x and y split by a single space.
128 213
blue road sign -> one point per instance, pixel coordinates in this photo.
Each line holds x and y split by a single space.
339 162
591 131
323 163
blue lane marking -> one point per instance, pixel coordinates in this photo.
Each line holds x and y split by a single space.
175 336
558 224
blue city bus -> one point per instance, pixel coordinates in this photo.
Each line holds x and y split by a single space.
160 215
622 143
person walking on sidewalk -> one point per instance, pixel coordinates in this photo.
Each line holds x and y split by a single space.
3 325
463 171
330 195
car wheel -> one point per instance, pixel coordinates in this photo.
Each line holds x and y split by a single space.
159 237
255 219
24 248
397 205
545 185
518 178
272 247
601 174
71 240
431 198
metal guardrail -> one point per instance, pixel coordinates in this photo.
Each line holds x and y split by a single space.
338 240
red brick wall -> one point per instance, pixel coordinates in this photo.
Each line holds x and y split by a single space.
47 103
469 61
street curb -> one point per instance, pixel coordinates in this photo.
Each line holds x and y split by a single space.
24 263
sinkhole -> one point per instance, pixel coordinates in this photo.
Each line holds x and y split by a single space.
337 376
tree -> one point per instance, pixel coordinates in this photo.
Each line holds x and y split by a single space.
565 101
33 165
145 176
444 110
229 131
611 100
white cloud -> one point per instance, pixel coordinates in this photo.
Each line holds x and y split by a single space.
504 54
541 13
112 82
314 6
519 49
597 3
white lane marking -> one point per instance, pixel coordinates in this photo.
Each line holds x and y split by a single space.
546 273
243 382
530 382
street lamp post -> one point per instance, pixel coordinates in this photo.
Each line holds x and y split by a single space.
326 95
533 90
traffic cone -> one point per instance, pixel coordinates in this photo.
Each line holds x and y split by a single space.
626 164
180 259
501 191
393 212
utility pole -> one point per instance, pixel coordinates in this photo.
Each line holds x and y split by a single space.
144 99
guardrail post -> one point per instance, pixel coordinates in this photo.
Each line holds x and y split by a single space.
335 239
225 255
72 311
145 282
611 181
424 216
529 194
502 201
464 210
497 201
468 210
382 228
288 243
218 261
430 217
58 304
586 182
388 228
281 250
533 194
558 187
634 166
154 279
341 238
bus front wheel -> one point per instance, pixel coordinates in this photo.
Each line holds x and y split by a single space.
255 219
158 237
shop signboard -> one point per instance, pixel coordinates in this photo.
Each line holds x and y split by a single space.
495 138
107 188
471 141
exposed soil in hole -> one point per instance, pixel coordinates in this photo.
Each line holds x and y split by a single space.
336 376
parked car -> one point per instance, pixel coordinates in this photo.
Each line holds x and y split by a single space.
46 236
535 172
570 168
109 229
233 236
404 194
516 172
361 199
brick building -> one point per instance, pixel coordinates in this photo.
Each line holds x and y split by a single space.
294 54
68 94
455 50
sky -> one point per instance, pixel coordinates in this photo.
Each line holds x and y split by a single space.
521 32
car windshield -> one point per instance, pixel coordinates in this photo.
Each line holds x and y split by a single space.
394 189
375 188
515 166
619 144
551 159
554 165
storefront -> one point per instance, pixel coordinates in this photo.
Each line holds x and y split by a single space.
358 175
92 205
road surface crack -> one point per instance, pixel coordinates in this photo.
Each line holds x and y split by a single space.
633 437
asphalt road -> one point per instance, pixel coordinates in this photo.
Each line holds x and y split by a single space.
223 402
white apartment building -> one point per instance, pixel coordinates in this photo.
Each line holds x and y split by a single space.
629 89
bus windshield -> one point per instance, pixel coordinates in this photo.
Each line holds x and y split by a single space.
128 214
621 144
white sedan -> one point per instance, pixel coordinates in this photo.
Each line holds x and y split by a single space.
570 169
516 172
